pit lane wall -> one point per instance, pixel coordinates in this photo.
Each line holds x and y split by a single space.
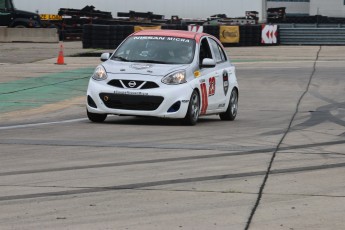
110 36
43 35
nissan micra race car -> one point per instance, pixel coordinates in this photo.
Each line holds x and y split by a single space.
164 73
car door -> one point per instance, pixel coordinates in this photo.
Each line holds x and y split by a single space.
207 79
5 14
220 75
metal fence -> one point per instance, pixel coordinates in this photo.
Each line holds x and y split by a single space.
312 34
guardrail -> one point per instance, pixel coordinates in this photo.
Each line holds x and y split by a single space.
312 34
305 25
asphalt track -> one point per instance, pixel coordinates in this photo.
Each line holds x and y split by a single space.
279 165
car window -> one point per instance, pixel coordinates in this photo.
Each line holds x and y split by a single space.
218 51
156 49
205 51
222 53
2 4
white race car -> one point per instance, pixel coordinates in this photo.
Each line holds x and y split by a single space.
164 73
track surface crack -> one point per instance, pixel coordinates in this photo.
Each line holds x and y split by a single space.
262 187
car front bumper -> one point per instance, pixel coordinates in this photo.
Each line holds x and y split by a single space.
169 101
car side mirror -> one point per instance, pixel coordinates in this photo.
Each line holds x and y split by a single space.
208 63
105 56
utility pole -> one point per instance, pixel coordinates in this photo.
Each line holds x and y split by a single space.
264 11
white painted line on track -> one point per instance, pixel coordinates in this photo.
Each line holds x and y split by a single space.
40 124
285 62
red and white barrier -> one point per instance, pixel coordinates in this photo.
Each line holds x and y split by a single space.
269 34
196 28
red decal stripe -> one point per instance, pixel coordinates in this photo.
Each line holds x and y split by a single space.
204 98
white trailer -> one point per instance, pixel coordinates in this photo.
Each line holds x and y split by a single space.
194 9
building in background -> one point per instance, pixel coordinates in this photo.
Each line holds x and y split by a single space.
331 8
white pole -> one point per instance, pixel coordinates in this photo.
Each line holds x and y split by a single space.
264 11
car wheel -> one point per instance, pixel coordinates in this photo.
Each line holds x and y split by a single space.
231 112
20 26
96 117
192 115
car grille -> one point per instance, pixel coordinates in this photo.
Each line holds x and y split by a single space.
131 102
133 84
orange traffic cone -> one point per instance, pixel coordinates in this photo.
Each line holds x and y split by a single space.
60 59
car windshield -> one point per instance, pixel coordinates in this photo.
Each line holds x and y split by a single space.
156 49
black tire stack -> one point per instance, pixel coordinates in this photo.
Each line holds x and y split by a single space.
174 27
87 36
250 35
100 36
118 33
212 29
105 36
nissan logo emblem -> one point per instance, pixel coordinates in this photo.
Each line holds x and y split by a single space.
132 84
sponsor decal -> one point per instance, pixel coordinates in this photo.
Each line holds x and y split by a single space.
130 93
197 74
51 17
225 82
185 40
229 34
212 87
204 98
221 105
185 101
141 66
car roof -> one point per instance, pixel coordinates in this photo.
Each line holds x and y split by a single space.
172 33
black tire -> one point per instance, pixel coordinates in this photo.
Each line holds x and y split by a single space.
20 25
231 112
193 111
96 117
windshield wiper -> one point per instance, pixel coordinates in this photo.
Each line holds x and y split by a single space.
150 61
120 58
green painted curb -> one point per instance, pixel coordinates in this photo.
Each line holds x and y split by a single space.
37 91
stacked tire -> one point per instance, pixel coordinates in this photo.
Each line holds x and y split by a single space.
212 30
87 36
100 36
118 33
250 35
174 27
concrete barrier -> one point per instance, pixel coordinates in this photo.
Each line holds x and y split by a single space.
44 35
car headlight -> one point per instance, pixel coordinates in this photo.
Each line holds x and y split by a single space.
175 78
100 74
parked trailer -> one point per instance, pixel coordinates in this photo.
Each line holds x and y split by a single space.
195 9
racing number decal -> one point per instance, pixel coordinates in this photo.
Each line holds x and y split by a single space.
204 98
212 89
205 95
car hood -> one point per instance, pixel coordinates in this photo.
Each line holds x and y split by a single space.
115 67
